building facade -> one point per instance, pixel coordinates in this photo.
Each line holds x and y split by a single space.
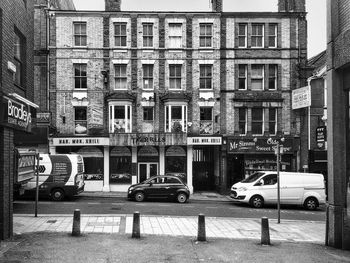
338 152
17 110
203 95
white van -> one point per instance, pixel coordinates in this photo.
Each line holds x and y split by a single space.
60 175
307 189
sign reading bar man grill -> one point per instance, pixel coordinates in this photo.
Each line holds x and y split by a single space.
16 114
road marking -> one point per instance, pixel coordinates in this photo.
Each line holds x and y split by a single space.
162 205
117 204
211 207
94 203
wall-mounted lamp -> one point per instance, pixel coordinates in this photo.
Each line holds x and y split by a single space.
105 74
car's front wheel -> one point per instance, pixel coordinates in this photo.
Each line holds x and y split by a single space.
181 197
139 196
257 201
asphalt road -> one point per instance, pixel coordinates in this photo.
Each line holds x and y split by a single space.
119 205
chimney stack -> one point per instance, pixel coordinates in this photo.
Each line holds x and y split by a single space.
113 5
291 6
216 5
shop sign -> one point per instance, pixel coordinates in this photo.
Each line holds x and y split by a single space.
204 141
301 98
258 145
80 141
26 167
147 139
16 114
321 137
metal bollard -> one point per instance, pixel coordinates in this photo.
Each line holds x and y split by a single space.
201 228
76 223
136 226
265 232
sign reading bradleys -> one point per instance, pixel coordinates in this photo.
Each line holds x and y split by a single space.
15 114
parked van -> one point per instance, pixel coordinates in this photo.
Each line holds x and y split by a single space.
307 189
60 175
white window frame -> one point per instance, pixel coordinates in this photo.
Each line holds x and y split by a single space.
205 35
168 119
245 120
274 36
144 78
257 36
262 123
175 77
275 76
120 77
120 24
256 77
205 78
245 76
127 110
80 36
242 36
275 120
174 35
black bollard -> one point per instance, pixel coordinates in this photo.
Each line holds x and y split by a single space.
201 228
136 226
76 223
265 232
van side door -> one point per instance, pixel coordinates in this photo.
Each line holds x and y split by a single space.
268 188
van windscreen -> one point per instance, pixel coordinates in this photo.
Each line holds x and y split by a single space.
253 177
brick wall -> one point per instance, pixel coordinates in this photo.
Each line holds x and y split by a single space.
13 14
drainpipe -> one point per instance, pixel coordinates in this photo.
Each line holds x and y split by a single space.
48 56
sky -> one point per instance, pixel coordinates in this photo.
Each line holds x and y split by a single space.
316 9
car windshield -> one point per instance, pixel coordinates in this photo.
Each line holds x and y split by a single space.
253 177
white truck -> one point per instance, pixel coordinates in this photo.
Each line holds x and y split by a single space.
307 189
60 175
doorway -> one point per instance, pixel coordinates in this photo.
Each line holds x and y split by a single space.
146 170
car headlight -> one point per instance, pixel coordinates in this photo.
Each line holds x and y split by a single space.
131 189
242 189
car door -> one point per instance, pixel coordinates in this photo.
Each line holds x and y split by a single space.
157 188
172 186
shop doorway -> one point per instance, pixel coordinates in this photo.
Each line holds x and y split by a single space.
203 169
235 169
146 170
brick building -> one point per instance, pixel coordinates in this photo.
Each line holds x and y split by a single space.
17 111
205 95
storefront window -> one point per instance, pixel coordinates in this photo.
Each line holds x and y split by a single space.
176 162
253 163
93 162
120 166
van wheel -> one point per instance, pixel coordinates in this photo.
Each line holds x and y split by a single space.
57 194
139 196
257 201
311 203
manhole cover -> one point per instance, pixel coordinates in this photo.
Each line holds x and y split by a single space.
51 221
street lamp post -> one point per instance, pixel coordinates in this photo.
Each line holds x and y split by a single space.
278 154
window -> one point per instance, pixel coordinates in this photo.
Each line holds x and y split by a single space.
80 34
272 35
257 121
148 113
242 120
120 34
269 179
147 34
175 35
257 35
120 76
19 58
242 77
147 76
175 118
272 121
205 81
272 77
206 120
257 77
205 35
120 118
80 76
175 76
80 119
242 35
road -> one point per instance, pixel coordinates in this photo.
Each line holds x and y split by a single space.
119 205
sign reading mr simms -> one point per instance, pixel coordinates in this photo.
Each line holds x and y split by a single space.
16 114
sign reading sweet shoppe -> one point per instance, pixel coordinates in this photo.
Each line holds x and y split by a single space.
258 145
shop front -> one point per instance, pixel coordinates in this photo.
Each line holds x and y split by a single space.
248 155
